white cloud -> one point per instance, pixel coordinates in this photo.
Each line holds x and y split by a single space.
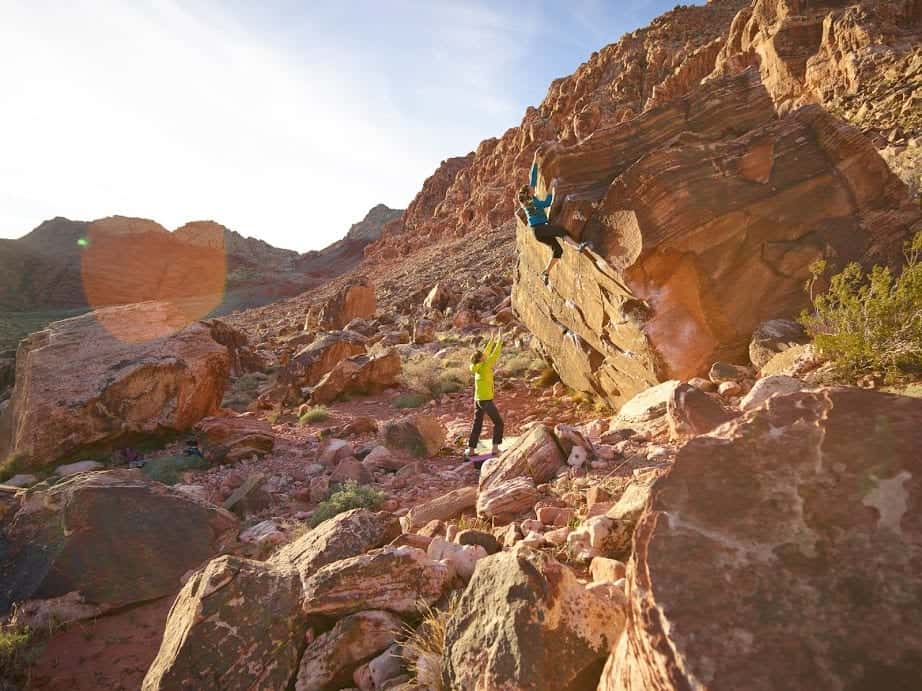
154 110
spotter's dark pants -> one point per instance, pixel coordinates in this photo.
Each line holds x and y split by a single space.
488 407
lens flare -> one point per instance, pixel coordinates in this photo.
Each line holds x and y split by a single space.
128 261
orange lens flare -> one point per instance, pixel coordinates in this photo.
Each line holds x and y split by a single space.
124 263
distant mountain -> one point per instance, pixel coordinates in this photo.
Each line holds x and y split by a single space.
344 255
66 265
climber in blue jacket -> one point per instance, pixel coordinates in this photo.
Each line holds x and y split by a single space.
536 218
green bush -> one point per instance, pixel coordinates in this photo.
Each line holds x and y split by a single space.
428 375
411 400
869 322
317 413
169 469
350 495
14 652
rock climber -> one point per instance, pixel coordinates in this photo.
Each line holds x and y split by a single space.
482 368
532 212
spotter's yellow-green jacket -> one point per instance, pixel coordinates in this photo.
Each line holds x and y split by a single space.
483 370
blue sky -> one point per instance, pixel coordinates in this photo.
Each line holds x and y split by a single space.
282 120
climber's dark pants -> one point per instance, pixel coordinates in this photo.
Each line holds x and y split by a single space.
547 235
488 407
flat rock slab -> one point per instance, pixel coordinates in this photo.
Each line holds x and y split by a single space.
783 551
113 536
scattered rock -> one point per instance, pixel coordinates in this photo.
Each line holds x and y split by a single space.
421 435
345 535
725 372
351 469
311 363
354 301
691 412
264 532
231 439
21 480
604 570
439 298
646 412
329 662
764 389
506 500
773 337
360 374
535 455
423 331
442 508
335 451
250 497
463 558
478 537
396 578
78 467
518 606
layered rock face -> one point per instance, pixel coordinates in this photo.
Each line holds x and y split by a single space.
704 215
475 193
102 377
783 551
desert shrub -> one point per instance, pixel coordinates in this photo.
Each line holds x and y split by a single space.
467 522
427 375
15 651
520 364
350 495
425 645
547 377
169 469
869 321
410 400
317 413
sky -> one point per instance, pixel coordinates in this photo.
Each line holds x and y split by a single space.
284 120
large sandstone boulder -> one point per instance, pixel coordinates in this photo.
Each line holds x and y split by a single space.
354 301
393 578
536 455
236 624
231 439
114 537
104 377
348 534
328 662
782 552
360 374
705 214
525 622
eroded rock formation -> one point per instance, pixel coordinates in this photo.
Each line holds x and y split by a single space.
704 214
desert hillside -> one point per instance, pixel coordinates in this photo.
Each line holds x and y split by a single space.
707 473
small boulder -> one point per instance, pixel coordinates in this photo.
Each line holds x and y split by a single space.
725 372
330 660
231 439
423 331
439 298
463 558
78 467
353 301
773 337
504 501
360 374
346 535
536 455
350 469
646 412
690 412
394 578
442 508
421 435
334 451
764 389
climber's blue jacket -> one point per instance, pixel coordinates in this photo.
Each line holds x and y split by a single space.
536 210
